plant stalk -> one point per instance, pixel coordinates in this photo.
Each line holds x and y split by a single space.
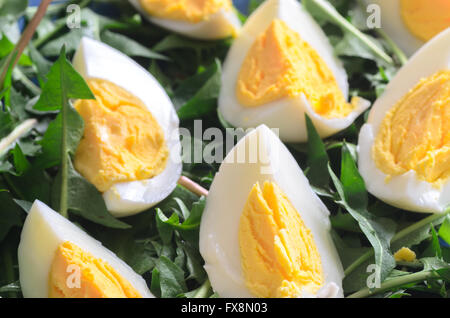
63 205
192 186
394 282
26 37
20 131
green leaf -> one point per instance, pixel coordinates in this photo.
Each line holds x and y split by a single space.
355 188
175 41
194 261
253 5
128 46
25 205
324 10
418 234
166 225
142 259
345 222
20 161
197 96
14 8
435 243
84 199
52 141
6 47
349 45
155 284
317 157
378 231
91 25
444 230
63 83
171 278
43 66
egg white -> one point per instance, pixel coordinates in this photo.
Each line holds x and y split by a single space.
392 22
405 191
222 24
219 229
44 230
96 60
286 114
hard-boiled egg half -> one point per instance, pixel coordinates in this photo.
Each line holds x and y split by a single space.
201 19
404 148
130 149
264 232
411 23
59 260
279 68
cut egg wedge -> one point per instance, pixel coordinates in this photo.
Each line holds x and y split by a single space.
59 260
411 23
264 233
130 149
404 148
282 66
204 19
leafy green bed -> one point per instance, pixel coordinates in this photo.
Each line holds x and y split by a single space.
162 243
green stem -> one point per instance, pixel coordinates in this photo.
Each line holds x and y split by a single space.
393 283
416 264
334 16
428 220
63 207
403 59
18 132
395 49
34 89
204 290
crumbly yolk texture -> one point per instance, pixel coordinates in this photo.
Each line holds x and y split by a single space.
95 278
405 255
425 18
415 134
278 254
193 11
280 64
122 140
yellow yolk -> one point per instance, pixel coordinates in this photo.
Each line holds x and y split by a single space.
426 18
405 255
278 252
77 274
122 140
280 64
193 11
415 134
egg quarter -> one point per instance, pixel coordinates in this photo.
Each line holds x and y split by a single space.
295 45
125 89
52 250
222 231
204 20
409 186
